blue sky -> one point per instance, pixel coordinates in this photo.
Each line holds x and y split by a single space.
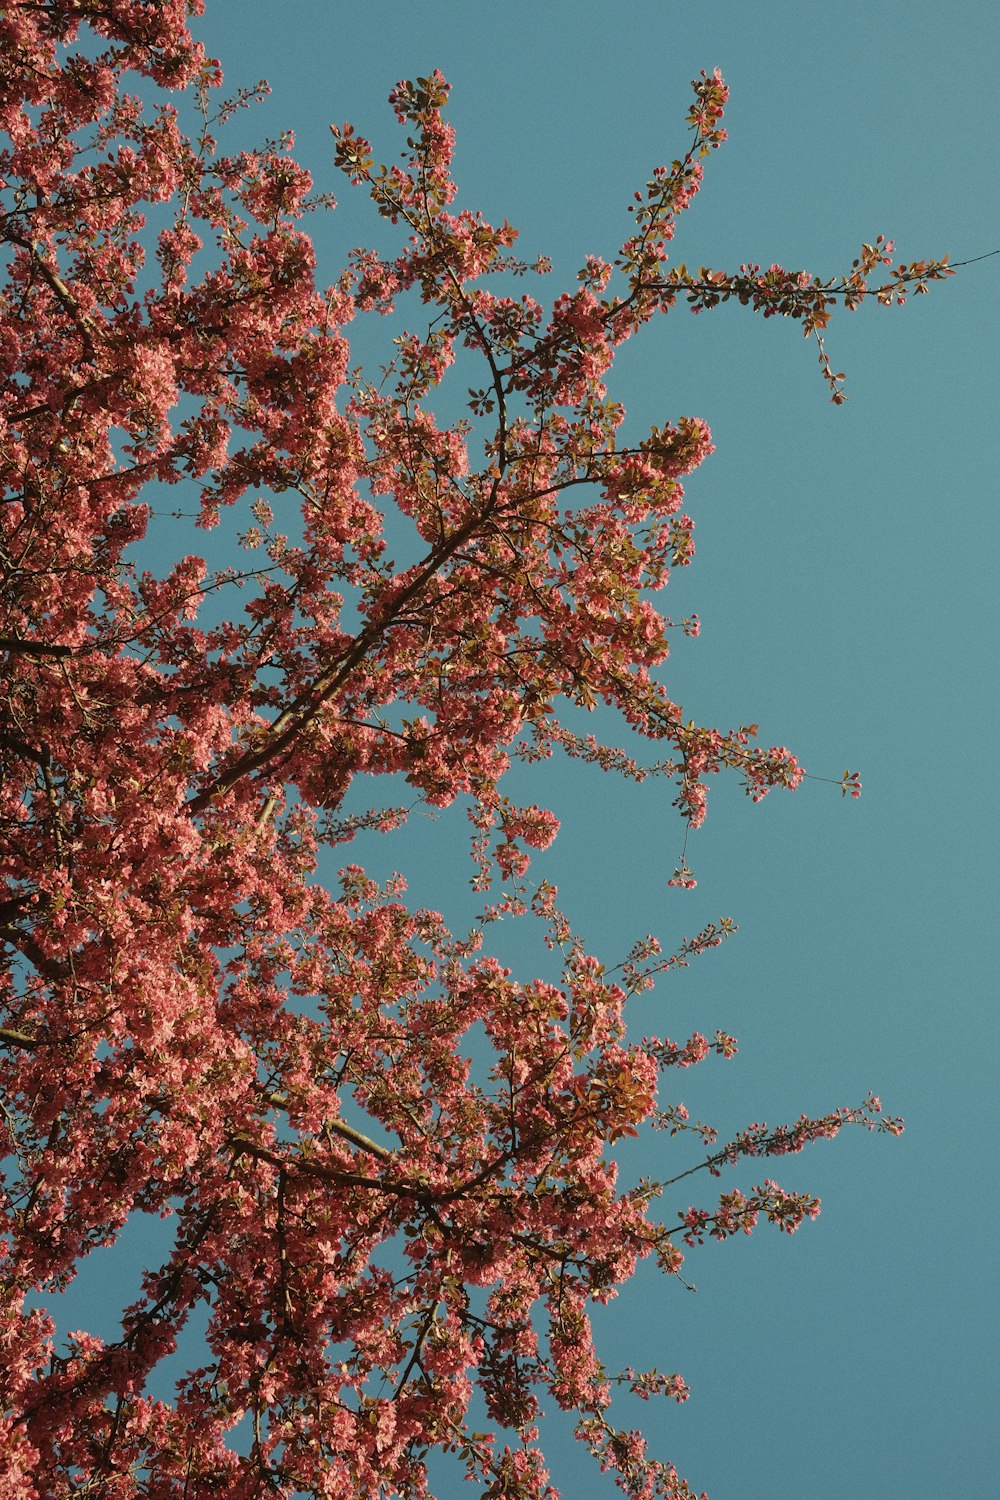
845 581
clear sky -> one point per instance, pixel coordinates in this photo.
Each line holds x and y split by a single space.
845 578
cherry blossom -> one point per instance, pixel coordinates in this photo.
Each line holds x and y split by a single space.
194 1017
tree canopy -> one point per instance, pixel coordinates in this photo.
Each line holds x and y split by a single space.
194 1015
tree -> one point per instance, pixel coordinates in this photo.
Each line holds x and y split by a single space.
190 1011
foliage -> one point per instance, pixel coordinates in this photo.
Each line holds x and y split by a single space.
190 1011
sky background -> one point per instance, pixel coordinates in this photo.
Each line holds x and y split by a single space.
845 579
